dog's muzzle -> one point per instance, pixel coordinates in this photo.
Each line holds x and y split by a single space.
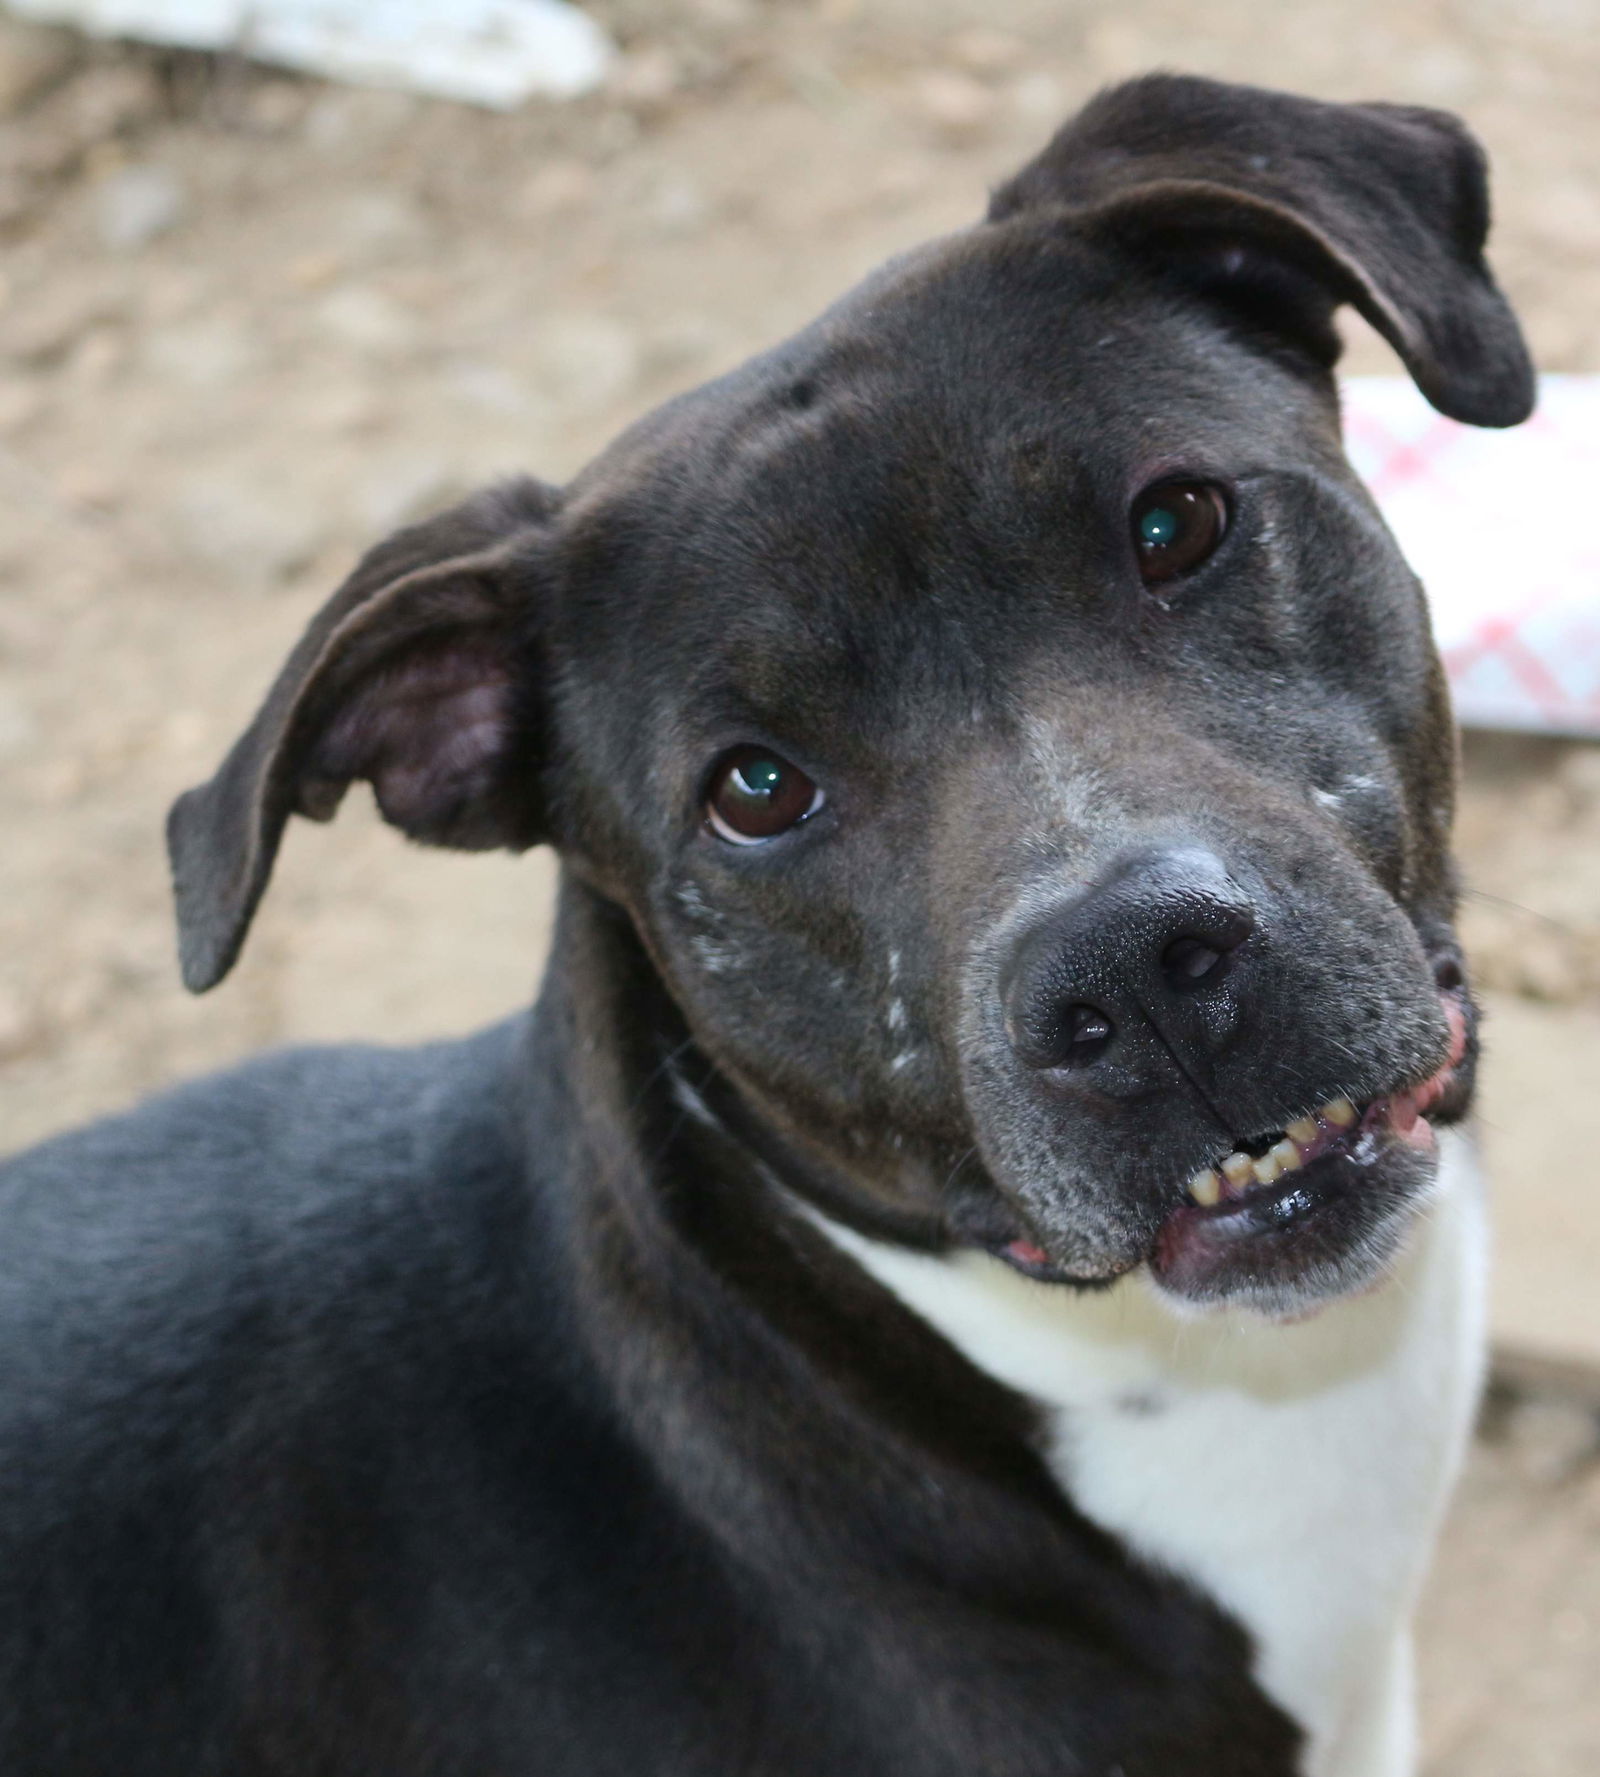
1171 1007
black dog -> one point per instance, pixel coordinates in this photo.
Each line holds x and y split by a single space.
951 1276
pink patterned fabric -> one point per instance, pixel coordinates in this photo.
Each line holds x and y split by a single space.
1504 529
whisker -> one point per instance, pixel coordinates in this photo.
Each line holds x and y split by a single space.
1548 919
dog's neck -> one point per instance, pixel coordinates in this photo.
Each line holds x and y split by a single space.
713 1305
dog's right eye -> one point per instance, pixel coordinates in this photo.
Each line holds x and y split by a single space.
1176 525
755 795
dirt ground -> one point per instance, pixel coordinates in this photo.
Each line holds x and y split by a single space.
247 322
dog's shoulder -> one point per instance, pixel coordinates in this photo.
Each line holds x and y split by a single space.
163 1268
290 1379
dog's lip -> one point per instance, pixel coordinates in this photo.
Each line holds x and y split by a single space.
1392 1123
1388 1152
1384 1124
1403 1110
1297 1244
1033 1261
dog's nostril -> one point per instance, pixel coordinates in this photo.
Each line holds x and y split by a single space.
1085 1033
1099 985
1189 962
1447 975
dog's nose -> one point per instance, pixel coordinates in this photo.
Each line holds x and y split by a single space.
1140 963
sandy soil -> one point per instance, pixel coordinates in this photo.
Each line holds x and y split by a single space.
248 322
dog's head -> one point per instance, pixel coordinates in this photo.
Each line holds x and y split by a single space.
1005 720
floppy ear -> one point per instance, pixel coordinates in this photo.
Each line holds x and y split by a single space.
1291 206
414 676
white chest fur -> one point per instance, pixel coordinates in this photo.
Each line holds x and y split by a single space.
1295 1473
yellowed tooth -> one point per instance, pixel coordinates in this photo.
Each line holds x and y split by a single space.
1287 1156
1267 1167
1339 1112
1206 1187
1302 1130
1239 1170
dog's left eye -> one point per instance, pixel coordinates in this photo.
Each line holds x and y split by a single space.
755 795
1176 525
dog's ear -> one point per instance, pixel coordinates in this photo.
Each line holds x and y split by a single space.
413 676
1290 206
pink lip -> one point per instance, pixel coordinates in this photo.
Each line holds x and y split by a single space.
1407 1111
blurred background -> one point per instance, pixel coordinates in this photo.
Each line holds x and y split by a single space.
251 319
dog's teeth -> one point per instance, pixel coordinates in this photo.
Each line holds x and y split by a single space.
1235 1175
1339 1112
1239 1170
1206 1187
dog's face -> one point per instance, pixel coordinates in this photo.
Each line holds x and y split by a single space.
1010 729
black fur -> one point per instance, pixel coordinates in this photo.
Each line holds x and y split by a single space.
489 1408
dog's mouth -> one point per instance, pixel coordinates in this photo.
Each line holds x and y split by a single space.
1311 1210
1268 1163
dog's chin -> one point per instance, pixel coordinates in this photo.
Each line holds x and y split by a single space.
1330 1230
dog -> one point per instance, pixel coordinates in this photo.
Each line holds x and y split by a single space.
956 1272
